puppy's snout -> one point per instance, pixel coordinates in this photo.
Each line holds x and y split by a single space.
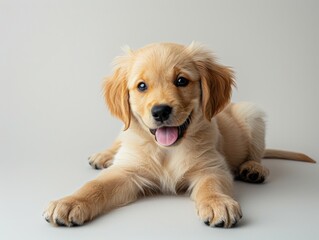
161 112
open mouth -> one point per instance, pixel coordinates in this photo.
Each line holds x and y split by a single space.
167 136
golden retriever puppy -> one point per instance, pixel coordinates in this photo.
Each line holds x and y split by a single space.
180 135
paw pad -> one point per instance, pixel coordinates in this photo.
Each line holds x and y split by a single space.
59 223
253 172
220 224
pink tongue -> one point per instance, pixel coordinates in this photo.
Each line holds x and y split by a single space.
166 136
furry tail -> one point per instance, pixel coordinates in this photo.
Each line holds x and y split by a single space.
281 154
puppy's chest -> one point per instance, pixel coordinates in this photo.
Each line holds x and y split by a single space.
171 169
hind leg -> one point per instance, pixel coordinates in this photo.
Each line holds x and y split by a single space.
252 170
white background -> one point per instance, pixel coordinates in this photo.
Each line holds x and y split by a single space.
53 57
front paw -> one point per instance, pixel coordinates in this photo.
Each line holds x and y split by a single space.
219 211
68 211
101 160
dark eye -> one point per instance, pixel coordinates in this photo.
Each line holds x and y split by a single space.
181 82
142 86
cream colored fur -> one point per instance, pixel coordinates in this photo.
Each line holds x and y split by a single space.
222 141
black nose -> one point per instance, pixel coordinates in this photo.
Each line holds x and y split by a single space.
161 112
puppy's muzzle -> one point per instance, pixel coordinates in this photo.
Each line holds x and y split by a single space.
169 135
161 112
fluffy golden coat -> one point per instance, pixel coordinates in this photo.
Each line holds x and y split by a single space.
196 143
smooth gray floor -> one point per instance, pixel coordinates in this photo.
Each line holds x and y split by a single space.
286 207
53 57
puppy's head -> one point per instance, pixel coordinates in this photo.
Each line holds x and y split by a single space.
162 86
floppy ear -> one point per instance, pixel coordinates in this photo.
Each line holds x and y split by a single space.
117 96
216 81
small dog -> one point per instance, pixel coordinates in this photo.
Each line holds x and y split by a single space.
181 135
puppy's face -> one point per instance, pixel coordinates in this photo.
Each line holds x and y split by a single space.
164 91
164 85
